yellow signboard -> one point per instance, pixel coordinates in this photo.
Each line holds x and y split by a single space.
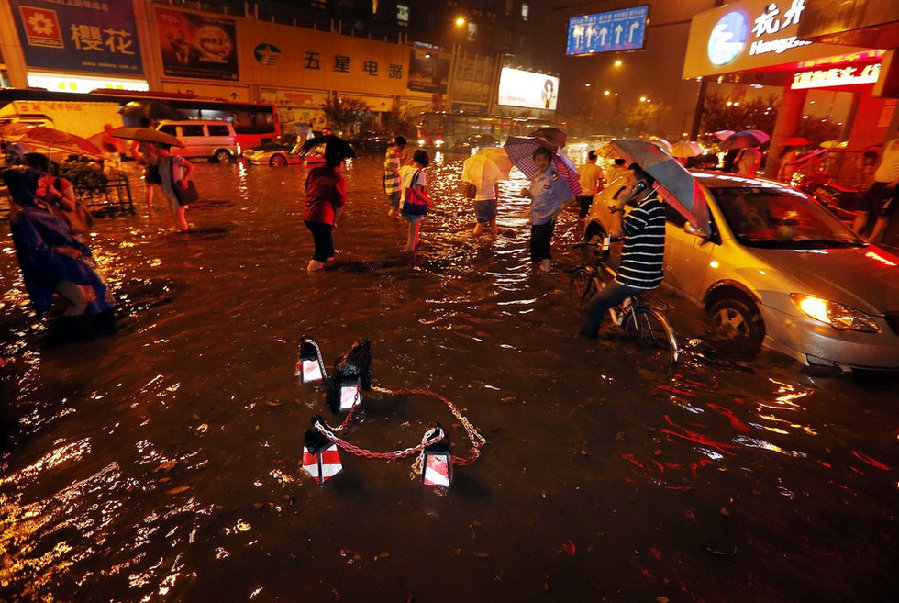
288 57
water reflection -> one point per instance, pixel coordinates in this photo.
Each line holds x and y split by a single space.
162 462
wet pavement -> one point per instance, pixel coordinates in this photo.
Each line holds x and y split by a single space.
162 462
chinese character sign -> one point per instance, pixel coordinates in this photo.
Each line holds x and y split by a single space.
94 37
616 30
197 46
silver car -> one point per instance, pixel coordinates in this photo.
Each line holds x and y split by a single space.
280 152
779 270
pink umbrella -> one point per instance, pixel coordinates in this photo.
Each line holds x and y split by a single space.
679 189
745 139
521 149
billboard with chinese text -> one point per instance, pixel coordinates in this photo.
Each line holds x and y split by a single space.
525 89
601 32
93 37
197 46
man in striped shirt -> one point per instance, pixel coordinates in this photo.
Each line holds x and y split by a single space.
394 159
640 268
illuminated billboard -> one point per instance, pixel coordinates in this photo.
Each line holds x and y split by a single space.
525 89
601 32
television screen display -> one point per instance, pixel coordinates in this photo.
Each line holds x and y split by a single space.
526 89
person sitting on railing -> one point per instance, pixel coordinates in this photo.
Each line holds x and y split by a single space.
50 259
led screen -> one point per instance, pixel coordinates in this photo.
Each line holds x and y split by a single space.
525 89
601 32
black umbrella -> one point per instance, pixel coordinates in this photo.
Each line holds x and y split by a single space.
328 147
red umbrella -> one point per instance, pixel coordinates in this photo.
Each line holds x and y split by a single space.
554 135
521 149
679 189
52 139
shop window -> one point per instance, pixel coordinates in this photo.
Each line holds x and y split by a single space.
524 11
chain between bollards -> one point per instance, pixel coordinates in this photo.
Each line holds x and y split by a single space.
477 440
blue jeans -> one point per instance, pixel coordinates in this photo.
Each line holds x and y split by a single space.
608 297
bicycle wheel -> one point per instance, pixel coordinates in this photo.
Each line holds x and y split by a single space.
582 287
654 334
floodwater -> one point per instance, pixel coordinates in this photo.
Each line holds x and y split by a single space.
163 462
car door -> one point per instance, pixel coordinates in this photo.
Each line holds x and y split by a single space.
687 256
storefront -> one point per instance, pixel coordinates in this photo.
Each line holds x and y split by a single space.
802 45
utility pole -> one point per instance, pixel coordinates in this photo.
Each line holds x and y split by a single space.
700 99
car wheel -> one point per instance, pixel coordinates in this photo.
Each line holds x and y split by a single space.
738 321
222 156
278 160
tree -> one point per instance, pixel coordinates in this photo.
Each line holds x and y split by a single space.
347 114
757 114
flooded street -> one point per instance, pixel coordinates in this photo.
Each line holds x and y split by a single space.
163 462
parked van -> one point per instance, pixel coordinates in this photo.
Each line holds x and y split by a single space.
210 138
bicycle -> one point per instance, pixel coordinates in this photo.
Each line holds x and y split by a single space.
641 316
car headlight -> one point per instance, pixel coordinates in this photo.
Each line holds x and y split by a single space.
838 316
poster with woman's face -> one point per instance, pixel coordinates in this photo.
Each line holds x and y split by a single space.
197 46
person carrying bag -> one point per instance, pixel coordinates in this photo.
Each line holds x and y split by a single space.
415 201
176 184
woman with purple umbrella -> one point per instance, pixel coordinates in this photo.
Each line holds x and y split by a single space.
549 194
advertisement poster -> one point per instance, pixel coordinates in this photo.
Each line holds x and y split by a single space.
526 89
196 46
615 30
428 71
93 37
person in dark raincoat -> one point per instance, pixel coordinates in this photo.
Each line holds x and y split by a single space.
50 259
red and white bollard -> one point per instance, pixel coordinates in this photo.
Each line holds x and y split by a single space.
310 367
321 458
437 464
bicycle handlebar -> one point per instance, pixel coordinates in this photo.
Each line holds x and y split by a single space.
604 244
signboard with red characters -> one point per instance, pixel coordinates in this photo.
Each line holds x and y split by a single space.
92 37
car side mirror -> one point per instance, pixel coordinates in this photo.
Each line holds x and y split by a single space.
692 230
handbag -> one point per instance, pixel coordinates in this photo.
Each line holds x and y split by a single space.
415 200
188 195
469 190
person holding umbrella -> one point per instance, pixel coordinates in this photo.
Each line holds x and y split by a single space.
640 268
482 173
174 170
549 193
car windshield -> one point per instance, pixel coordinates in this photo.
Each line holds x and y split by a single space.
778 218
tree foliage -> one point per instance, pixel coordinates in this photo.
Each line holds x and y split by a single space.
347 114
757 114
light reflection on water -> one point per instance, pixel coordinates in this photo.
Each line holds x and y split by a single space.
162 462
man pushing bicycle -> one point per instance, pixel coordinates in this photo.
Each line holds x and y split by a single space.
640 268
